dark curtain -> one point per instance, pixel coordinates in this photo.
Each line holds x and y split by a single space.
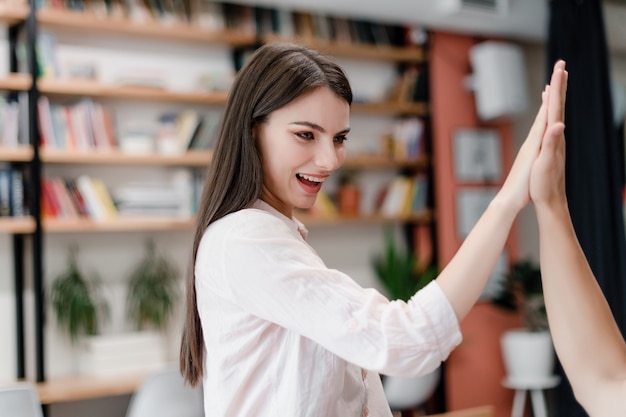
595 164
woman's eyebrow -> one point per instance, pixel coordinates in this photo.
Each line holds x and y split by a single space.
317 127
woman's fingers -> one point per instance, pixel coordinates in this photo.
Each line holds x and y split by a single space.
537 130
556 98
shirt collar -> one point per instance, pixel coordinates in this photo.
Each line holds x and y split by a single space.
293 223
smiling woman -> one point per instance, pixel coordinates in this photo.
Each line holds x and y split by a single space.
270 330
298 155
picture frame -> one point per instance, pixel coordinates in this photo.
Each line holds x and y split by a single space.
477 155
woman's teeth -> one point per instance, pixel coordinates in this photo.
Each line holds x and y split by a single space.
310 178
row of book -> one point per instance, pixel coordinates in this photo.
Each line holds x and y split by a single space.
14 121
89 125
250 19
175 133
81 126
89 197
406 140
411 86
289 24
403 196
12 194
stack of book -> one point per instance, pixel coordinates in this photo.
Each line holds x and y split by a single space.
73 198
83 126
12 201
405 195
173 197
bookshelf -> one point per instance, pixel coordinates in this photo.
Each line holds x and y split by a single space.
416 109
423 217
116 157
22 153
21 225
358 51
83 225
65 90
378 161
82 88
12 14
15 82
88 22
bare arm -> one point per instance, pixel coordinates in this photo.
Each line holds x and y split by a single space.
465 276
586 338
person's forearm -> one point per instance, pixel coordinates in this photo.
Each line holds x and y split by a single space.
586 337
465 276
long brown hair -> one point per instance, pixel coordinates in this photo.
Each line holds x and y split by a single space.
272 77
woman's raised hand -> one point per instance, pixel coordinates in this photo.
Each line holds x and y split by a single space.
547 179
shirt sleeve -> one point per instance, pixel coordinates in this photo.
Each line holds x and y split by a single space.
273 274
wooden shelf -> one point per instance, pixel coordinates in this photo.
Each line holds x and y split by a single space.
365 161
357 50
116 157
120 224
86 22
78 388
15 82
16 154
417 109
11 14
312 221
17 225
54 87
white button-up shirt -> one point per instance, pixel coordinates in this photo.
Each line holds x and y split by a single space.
287 336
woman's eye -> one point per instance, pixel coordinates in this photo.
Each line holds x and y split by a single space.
305 135
341 139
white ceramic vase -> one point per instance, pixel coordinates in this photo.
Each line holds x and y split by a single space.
528 356
407 393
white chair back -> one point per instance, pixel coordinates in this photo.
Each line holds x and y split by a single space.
164 394
20 400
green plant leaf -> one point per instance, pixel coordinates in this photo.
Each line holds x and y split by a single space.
152 290
76 300
397 272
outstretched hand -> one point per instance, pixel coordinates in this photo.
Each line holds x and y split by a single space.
516 186
547 178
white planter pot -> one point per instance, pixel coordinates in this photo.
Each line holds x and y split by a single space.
528 356
121 354
406 393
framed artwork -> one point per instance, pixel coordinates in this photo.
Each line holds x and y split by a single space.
477 155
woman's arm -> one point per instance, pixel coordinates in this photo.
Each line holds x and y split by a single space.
587 340
465 276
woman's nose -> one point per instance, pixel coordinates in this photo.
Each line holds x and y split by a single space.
326 156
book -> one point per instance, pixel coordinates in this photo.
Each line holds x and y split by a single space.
187 124
95 207
44 114
104 198
5 190
50 206
17 194
394 203
209 15
206 135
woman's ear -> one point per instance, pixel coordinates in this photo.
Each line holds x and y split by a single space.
254 132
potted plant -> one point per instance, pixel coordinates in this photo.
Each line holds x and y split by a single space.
152 290
151 294
398 272
76 300
527 352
